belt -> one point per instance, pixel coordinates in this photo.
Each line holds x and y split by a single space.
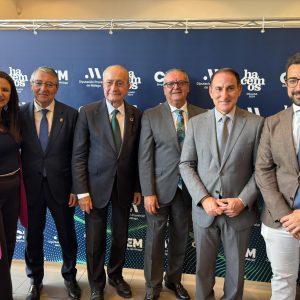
10 174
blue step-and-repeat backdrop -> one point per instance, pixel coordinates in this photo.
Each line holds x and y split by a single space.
80 58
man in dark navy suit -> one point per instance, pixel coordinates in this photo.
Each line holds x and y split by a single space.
47 139
105 171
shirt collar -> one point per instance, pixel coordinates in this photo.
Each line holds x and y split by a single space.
50 107
296 108
219 115
110 108
184 108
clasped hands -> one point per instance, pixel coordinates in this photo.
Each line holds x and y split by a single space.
230 207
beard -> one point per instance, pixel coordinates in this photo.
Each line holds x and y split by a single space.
293 98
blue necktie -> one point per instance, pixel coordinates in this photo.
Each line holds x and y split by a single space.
116 130
44 129
180 129
297 197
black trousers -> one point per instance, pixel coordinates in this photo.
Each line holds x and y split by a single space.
96 234
9 211
63 217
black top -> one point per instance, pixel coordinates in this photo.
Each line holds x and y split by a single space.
9 152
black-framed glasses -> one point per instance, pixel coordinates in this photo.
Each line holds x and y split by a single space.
180 83
292 82
48 84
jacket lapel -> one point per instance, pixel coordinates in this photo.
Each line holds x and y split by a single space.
286 133
168 121
211 135
236 129
102 120
57 123
31 126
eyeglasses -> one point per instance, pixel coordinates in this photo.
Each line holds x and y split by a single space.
48 84
180 83
292 82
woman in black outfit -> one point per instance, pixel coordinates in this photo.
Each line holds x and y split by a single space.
9 178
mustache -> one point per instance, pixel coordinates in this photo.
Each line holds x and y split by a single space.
296 93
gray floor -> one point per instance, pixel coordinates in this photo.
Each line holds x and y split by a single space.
54 287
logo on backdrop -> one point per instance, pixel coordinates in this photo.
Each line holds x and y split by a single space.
135 244
252 82
205 81
63 76
282 76
54 241
20 237
19 78
159 77
135 81
92 78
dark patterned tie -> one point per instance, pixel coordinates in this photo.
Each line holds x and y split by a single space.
116 130
43 136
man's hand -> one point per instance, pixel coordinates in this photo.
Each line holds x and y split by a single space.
211 207
151 204
137 198
73 201
231 207
291 223
86 204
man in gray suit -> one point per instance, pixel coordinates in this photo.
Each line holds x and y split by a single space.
105 172
162 134
277 176
217 165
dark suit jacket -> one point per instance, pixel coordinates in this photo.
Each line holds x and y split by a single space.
235 175
57 158
95 159
159 153
277 169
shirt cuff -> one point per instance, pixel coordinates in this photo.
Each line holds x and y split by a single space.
80 196
243 202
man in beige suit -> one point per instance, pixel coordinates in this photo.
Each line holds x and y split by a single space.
277 175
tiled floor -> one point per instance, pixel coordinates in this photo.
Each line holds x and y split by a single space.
54 287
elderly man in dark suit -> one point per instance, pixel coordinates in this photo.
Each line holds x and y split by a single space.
165 196
105 172
47 140
277 176
217 165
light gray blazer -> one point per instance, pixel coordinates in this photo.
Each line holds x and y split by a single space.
159 152
203 174
277 170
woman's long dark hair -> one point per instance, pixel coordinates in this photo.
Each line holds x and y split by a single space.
10 115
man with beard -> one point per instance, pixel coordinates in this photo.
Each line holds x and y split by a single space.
277 175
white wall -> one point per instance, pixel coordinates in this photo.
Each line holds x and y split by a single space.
148 9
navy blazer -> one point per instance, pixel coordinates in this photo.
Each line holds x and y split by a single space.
96 162
57 158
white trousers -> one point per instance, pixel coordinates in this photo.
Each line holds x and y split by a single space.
283 253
